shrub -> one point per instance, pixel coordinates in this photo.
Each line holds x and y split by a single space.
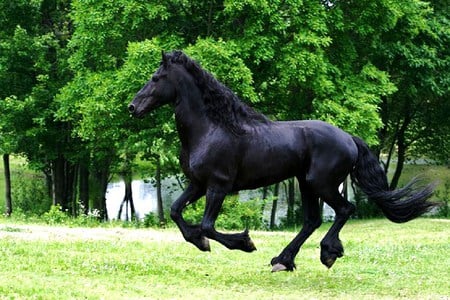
91 219
151 220
30 194
234 215
56 216
444 197
365 209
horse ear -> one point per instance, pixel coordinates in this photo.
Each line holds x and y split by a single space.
165 59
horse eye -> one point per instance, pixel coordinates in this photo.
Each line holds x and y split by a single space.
155 78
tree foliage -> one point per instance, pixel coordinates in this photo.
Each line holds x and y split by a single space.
378 69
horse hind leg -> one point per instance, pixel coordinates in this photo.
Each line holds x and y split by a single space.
312 220
331 246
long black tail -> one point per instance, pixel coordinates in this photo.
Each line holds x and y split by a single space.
399 205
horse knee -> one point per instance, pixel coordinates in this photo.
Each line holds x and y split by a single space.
347 210
316 223
208 229
312 223
174 214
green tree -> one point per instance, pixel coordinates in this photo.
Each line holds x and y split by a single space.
15 79
413 49
404 42
270 54
32 39
340 61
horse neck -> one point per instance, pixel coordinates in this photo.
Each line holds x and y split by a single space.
192 123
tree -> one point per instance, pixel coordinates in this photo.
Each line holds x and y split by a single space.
276 59
420 65
74 67
30 41
8 200
126 174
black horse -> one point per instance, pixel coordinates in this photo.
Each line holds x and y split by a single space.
226 146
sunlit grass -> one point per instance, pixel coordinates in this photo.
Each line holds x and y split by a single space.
383 260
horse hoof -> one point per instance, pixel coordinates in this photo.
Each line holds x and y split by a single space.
202 243
329 262
250 246
278 267
205 244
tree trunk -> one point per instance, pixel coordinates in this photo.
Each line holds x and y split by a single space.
290 216
401 152
8 201
58 183
159 199
84 188
264 192
100 185
48 181
63 179
71 171
273 213
128 198
389 156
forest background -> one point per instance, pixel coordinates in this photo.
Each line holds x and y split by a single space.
377 69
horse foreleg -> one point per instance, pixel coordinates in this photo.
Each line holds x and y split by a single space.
312 220
331 246
214 201
191 233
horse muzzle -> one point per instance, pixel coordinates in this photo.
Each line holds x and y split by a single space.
132 109
135 111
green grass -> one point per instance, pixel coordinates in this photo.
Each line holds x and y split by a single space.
383 260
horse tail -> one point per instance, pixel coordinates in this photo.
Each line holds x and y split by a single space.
399 205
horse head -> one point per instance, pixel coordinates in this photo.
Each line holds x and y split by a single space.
159 90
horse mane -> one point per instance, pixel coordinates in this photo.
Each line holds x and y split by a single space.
223 106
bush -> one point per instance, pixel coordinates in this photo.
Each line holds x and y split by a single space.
30 194
444 197
234 215
151 220
56 216
365 209
91 219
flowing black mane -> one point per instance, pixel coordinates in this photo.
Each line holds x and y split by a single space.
223 106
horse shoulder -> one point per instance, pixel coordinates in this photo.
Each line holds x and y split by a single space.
212 157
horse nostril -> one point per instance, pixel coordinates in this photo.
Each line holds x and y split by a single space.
131 108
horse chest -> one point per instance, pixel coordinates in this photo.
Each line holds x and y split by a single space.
205 163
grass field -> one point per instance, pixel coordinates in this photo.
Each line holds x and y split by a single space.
383 261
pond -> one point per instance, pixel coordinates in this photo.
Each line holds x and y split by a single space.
144 199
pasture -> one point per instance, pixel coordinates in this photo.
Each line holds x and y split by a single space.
382 261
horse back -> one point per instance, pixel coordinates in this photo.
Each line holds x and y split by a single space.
304 149
270 153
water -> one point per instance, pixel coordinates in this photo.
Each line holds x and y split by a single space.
144 199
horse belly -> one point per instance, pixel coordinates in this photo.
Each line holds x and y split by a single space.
262 168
